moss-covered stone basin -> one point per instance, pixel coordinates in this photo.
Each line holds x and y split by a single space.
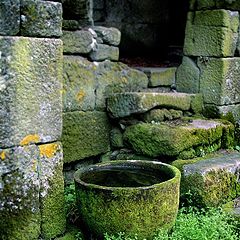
131 196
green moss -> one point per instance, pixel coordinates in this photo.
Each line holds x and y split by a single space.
132 210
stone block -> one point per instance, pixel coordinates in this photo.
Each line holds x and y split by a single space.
116 138
110 36
187 76
204 40
79 84
113 77
85 134
219 80
19 193
202 4
212 181
125 104
9 17
53 216
70 25
160 76
78 42
103 52
41 18
30 90
228 4
167 139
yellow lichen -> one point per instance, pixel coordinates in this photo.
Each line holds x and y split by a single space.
2 155
80 96
33 138
34 165
48 150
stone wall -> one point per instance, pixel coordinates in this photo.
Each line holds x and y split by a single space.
31 159
211 57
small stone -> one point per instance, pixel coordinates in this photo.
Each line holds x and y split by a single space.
41 18
104 52
111 36
187 76
116 138
77 42
9 17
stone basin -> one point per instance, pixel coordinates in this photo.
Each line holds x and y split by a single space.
131 196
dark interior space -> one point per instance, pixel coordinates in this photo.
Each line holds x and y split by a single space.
152 31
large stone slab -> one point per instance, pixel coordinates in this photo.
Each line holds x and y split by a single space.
125 104
79 84
77 42
30 90
19 193
113 77
175 139
160 76
85 134
9 17
53 215
212 181
211 33
219 80
41 18
187 76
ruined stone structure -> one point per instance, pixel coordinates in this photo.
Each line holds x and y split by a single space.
66 98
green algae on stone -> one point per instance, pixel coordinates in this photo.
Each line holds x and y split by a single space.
41 18
212 180
19 198
30 93
187 76
170 140
79 84
131 210
219 80
85 134
53 217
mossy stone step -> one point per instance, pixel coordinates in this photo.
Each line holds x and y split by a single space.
159 76
125 104
180 139
211 181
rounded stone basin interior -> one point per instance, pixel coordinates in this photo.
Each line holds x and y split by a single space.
126 175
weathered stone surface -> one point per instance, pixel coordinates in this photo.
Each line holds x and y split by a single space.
85 134
78 10
111 36
41 18
187 76
159 115
170 140
212 181
114 78
204 40
116 138
71 25
19 193
219 80
238 43
202 4
53 217
125 104
78 42
103 52
228 4
9 17
79 84
30 90
160 76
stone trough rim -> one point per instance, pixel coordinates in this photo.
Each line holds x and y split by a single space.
175 171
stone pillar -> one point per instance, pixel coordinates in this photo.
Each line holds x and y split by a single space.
211 63
31 178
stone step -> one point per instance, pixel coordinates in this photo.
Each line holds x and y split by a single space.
159 76
212 181
125 104
182 139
